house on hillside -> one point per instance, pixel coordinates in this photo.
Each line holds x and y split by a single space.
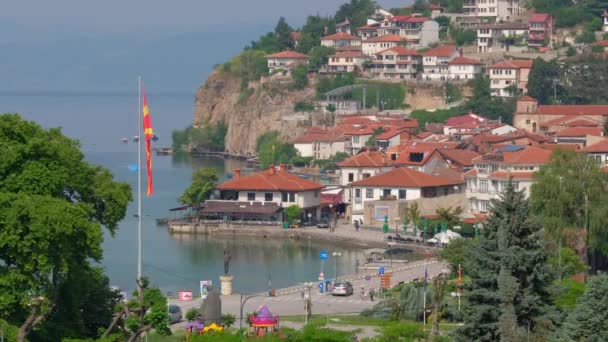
436 62
598 152
396 63
371 46
263 196
541 30
509 76
416 31
385 195
464 68
285 61
494 11
499 37
344 61
361 166
492 171
321 144
340 39
343 27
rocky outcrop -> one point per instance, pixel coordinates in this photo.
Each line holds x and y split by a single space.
267 105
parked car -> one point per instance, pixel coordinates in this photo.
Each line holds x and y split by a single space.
323 224
342 288
175 314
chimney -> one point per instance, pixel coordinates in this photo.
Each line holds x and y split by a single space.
237 174
283 167
384 158
461 52
271 169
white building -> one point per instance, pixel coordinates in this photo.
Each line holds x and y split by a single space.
373 45
599 153
396 63
345 61
494 10
400 184
340 39
491 173
321 145
285 60
493 38
435 62
415 30
464 68
508 74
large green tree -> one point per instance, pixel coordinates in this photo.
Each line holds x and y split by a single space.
53 206
589 319
544 76
282 33
357 12
569 194
509 297
483 103
203 183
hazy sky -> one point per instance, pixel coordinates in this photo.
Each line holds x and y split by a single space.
160 15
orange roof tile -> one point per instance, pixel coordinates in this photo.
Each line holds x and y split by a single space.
527 99
539 17
368 27
271 180
389 38
411 156
599 147
404 177
367 159
580 132
321 137
471 173
514 175
340 36
513 64
288 54
401 51
529 155
461 157
442 51
565 147
582 123
465 61
572 110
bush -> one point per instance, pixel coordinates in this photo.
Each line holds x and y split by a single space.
228 320
570 51
586 37
191 314
299 77
303 106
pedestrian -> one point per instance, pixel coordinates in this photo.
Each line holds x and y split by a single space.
371 294
356 225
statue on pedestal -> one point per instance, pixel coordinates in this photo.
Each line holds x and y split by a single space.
227 259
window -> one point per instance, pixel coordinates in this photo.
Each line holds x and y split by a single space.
284 197
402 194
268 197
598 160
483 185
386 192
357 193
316 193
351 177
484 206
366 175
528 122
369 193
251 196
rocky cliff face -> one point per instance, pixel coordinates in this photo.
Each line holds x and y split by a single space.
268 105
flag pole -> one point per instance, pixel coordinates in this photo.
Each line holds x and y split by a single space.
424 299
139 250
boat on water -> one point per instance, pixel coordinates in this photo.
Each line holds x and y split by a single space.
124 140
164 151
155 137
136 138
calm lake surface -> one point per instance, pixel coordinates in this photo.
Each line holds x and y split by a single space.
173 263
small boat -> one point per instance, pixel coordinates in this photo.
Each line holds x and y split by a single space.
124 140
164 151
155 137
136 138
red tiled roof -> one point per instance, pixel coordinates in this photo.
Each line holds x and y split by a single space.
461 157
404 177
599 147
582 123
465 61
602 43
386 38
367 159
435 6
572 110
368 27
514 175
271 180
288 54
321 137
348 54
408 19
513 64
494 139
401 51
565 147
580 132
295 35
471 173
530 155
539 17
462 119
442 51
424 135
527 99
478 218
388 133
340 36
405 156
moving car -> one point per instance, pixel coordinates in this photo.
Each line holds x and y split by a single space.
175 314
342 288
323 224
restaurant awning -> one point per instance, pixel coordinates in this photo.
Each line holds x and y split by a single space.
232 207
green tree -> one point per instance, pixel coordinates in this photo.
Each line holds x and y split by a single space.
586 37
449 215
228 320
412 213
203 183
587 80
567 263
53 205
318 56
544 75
482 102
509 297
455 253
299 77
292 213
272 151
357 12
589 319
569 196
282 33
267 43
376 131
462 36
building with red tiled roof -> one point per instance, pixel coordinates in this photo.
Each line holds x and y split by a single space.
264 194
464 68
459 159
321 144
340 39
344 61
416 31
395 63
492 171
550 119
371 46
435 62
285 60
508 74
582 136
386 193
598 151
541 29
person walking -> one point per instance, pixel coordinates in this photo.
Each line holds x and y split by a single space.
371 294
357 226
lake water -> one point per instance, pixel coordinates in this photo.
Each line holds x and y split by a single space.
173 263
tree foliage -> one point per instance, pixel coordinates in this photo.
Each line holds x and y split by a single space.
569 194
483 103
53 205
509 297
449 215
209 135
543 76
589 319
203 183
292 213
299 77
271 150
282 34
462 36
318 56
357 12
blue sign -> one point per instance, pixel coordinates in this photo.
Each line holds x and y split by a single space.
323 255
368 277
381 270
321 287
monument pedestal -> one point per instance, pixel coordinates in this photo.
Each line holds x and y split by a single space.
226 285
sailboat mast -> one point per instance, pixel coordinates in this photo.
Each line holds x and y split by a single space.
139 214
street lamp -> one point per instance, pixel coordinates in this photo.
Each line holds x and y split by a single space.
336 255
331 217
244 299
307 302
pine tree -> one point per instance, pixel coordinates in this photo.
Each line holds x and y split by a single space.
589 320
509 296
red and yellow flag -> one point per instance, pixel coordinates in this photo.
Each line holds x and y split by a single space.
148 134
459 279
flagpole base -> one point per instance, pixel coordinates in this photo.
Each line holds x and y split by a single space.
226 285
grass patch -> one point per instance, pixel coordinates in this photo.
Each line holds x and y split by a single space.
570 292
178 336
358 320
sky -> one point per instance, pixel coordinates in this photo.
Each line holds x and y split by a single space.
90 45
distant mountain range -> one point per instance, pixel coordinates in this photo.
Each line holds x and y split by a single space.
78 62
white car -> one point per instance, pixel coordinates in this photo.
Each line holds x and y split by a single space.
175 314
342 288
